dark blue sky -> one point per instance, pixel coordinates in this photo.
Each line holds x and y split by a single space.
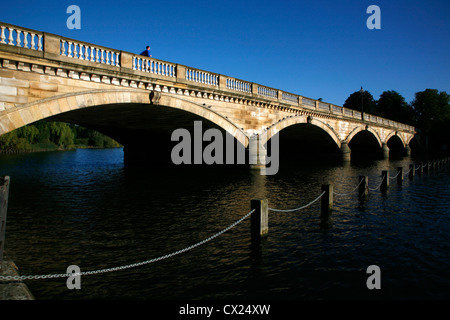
318 49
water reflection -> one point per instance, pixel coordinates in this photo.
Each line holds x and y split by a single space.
84 207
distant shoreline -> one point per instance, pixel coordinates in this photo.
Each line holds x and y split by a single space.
14 152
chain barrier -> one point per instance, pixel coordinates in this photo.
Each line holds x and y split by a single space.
374 189
138 264
300 208
395 176
346 194
129 266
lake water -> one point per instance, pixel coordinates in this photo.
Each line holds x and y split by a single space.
86 208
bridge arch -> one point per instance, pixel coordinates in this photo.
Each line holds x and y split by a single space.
394 134
364 128
53 106
293 120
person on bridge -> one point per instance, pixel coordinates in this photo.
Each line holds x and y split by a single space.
146 52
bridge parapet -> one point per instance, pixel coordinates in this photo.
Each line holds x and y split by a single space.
101 64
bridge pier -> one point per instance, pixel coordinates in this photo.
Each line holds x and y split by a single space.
408 150
345 151
385 150
257 154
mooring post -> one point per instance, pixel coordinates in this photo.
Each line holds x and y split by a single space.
363 186
385 179
260 218
399 175
412 171
327 200
4 194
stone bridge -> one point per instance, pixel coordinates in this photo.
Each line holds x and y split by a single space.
139 101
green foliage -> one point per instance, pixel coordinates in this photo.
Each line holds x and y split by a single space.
433 118
361 101
391 105
53 135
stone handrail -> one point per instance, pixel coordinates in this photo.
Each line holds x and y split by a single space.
46 45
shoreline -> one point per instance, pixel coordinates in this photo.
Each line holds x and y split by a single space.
17 152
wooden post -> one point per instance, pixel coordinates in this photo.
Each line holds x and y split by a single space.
260 218
412 171
385 178
327 200
363 183
4 193
399 175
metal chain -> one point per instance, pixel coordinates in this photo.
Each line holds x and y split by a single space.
373 189
346 194
395 176
129 266
296 209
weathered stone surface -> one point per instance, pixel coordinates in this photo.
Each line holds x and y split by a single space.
12 290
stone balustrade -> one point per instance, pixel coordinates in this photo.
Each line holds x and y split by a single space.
21 37
45 45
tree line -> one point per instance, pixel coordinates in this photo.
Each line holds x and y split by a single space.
429 113
43 135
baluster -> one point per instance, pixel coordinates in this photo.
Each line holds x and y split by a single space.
25 39
107 56
134 63
32 35
97 58
18 38
81 51
39 42
2 36
63 49
75 50
10 38
69 49
117 60
92 54
101 56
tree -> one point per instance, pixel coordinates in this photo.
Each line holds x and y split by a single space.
391 105
433 118
368 103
